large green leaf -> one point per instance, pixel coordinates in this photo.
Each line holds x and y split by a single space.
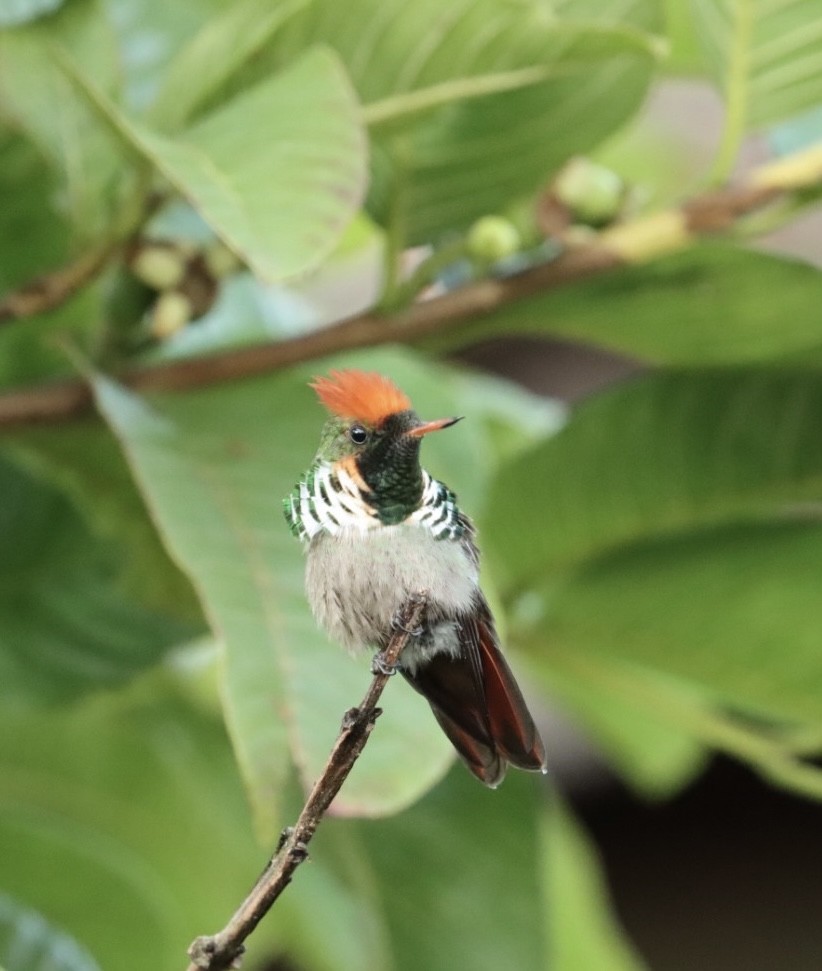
685 707
766 58
277 172
478 156
583 932
710 305
213 467
128 806
654 458
67 626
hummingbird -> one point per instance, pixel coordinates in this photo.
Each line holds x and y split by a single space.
379 529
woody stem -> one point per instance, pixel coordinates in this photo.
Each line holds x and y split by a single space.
224 949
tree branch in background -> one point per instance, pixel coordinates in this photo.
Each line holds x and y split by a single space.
223 950
633 242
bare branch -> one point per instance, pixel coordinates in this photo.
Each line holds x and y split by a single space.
223 950
636 241
69 399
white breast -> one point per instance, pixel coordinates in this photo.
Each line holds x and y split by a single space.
356 580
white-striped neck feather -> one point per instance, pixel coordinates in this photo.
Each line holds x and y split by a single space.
328 499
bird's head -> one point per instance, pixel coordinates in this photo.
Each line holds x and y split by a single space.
375 434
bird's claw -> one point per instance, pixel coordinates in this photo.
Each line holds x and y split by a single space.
399 627
380 666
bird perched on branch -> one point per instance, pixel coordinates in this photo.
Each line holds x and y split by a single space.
379 529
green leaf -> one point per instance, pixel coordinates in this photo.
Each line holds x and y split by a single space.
36 96
662 455
28 942
710 305
582 931
67 625
766 59
213 471
278 172
473 852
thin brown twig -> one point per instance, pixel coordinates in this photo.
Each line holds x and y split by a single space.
640 240
70 399
217 952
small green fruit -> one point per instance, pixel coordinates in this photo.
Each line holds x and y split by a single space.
592 193
171 313
493 238
159 267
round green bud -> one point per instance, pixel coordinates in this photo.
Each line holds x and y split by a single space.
593 193
493 238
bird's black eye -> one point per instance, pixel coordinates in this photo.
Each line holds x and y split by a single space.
357 434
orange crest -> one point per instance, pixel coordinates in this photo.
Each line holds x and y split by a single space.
362 395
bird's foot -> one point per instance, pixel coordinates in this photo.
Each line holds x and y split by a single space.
380 666
400 627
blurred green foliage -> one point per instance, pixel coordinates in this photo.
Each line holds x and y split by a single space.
653 555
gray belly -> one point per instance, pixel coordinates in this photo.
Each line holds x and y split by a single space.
357 581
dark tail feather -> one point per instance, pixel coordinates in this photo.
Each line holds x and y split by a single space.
510 722
479 705
456 698
482 759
